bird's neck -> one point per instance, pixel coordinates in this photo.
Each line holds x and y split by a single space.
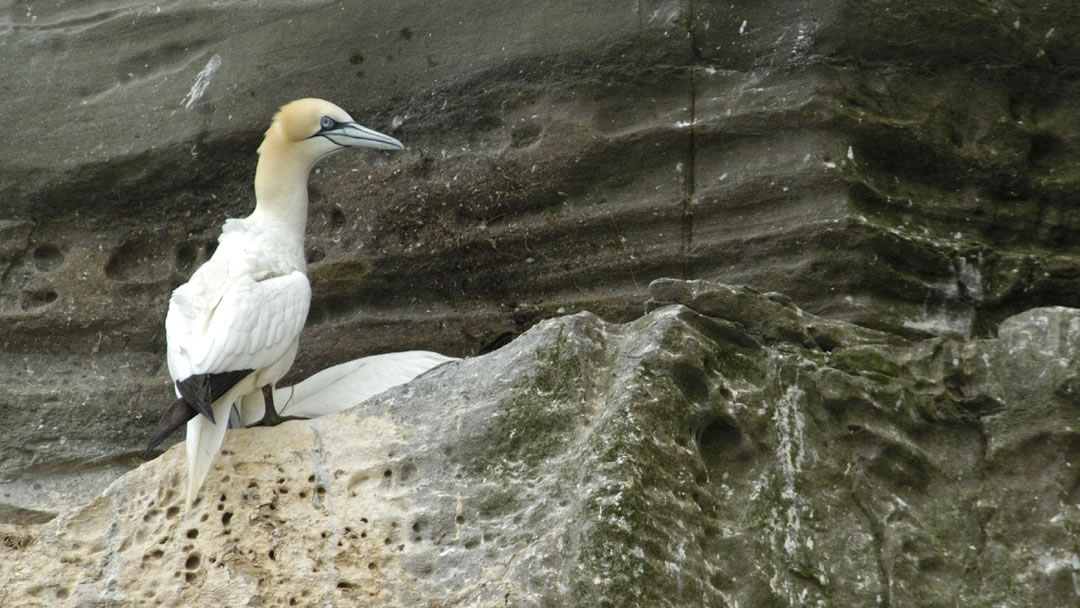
281 189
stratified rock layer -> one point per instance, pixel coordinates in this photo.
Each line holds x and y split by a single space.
726 449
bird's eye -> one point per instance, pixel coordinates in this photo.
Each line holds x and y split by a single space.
327 122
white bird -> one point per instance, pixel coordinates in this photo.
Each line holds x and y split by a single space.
233 328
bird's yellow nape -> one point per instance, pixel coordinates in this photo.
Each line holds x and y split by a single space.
302 118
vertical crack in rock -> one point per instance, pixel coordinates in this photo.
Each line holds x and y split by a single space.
687 233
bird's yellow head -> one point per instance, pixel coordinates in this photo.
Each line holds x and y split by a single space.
316 128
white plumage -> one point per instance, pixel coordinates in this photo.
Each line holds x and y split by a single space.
244 308
234 327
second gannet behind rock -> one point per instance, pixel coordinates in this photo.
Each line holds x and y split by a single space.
340 387
233 328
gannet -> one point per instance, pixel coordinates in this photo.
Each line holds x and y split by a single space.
232 330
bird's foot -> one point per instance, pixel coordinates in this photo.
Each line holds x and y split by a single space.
270 415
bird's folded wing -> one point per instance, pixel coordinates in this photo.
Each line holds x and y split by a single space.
251 325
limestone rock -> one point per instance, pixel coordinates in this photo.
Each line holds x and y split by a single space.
704 454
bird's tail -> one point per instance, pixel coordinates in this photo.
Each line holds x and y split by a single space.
203 442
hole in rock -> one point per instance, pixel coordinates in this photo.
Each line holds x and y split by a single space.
315 255
692 381
721 444
37 299
225 518
337 219
139 259
192 562
192 533
47 257
1046 150
186 256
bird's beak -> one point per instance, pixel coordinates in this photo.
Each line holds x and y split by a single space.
352 135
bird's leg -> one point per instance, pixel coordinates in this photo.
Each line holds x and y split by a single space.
270 415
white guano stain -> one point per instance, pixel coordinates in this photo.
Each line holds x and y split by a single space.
790 426
202 82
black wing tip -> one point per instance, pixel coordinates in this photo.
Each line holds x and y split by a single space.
176 416
205 410
195 390
201 390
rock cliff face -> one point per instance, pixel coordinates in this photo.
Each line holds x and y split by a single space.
905 171
726 449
